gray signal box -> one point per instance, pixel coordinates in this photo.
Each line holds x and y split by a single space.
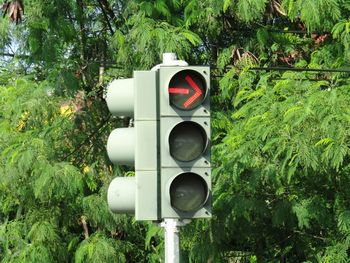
137 146
169 145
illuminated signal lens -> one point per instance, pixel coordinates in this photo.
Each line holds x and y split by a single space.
188 192
187 90
187 141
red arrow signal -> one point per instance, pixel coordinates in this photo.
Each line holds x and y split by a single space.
187 89
194 86
196 95
179 90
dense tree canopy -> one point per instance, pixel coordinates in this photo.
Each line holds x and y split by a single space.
281 139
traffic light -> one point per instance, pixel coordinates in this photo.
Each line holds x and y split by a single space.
135 146
169 145
184 141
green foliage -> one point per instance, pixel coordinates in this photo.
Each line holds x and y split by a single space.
341 31
97 212
315 14
250 10
37 187
156 38
99 249
288 143
280 152
312 12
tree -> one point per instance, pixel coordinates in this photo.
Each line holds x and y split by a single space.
280 151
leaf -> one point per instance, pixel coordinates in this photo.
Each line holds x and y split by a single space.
43 232
301 211
227 4
152 231
249 10
292 110
161 7
192 37
99 249
324 141
344 221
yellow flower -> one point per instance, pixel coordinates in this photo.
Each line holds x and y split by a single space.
66 110
86 169
22 121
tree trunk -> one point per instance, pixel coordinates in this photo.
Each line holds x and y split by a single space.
82 39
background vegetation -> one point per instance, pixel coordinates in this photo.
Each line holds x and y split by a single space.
281 156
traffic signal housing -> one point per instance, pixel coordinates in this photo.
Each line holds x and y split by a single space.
184 124
135 146
169 145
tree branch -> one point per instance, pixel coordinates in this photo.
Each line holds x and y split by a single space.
83 223
310 235
80 17
106 6
85 153
93 134
106 17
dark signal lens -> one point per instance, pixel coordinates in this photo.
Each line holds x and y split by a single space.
187 141
187 90
188 192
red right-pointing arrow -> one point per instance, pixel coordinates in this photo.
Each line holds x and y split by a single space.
197 90
179 90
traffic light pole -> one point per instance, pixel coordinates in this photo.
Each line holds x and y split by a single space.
172 238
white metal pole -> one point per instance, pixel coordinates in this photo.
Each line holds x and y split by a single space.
172 240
